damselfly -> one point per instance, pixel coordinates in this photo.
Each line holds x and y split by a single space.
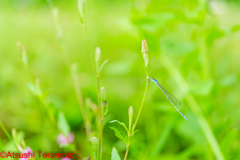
175 102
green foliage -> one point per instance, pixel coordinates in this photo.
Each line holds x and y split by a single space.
34 88
119 134
102 65
95 145
121 123
63 124
81 9
194 53
115 155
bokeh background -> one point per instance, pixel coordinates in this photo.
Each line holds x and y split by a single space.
194 52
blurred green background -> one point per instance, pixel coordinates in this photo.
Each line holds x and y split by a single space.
194 53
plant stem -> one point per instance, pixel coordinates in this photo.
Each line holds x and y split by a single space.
7 134
126 154
55 123
90 50
204 54
98 92
78 154
101 120
41 99
139 112
82 106
131 131
74 78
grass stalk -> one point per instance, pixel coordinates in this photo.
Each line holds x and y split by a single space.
98 91
204 56
39 94
140 110
74 78
55 123
126 153
131 131
7 134
100 118
194 107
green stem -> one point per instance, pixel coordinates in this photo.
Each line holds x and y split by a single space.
194 107
9 137
131 131
41 99
140 110
101 120
76 84
90 50
204 55
55 123
82 106
126 154
7 134
98 92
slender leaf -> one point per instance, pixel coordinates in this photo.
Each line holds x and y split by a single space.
62 124
115 155
101 67
31 87
119 134
121 123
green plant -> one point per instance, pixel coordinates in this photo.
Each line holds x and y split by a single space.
48 107
97 67
193 50
131 129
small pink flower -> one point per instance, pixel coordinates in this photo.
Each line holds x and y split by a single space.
28 150
63 140
65 159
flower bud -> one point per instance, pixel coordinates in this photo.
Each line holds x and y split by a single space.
97 58
144 46
130 115
14 135
145 52
81 10
24 54
103 94
104 104
145 56
94 143
95 146
63 140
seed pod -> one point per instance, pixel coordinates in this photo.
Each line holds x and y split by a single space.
81 10
144 46
97 58
95 146
145 52
145 57
103 94
130 115
104 105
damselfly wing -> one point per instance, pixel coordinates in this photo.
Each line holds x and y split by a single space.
173 100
